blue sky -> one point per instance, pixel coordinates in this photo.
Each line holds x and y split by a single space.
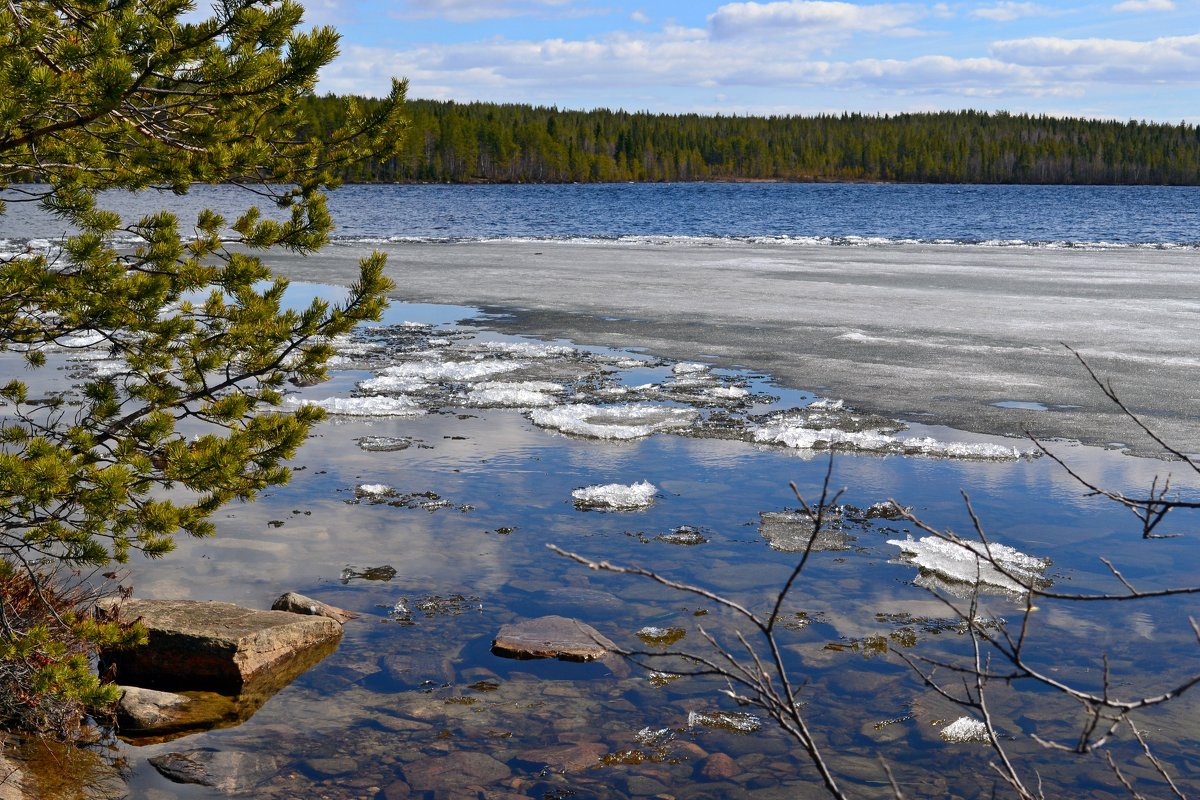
1123 59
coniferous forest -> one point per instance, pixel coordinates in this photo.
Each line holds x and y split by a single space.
493 143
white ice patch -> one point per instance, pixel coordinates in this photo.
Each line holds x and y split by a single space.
632 421
528 394
528 349
964 729
393 384
791 434
374 406
688 368
727 392
457 371
966 562
616 496
374 490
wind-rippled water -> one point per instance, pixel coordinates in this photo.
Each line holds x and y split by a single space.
839 214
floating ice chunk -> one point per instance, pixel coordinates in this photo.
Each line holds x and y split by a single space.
373 406
727 392
798 434
688 368
528 394
984 451
631 421
964 562
964 729
737 721
84 339
461 371
374 490
649 737
393 384
791 531
790 435
528 349
616 496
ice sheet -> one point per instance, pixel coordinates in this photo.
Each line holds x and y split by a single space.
631 421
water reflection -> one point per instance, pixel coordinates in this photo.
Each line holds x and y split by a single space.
415 701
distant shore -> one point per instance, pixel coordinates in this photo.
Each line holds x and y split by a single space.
927 333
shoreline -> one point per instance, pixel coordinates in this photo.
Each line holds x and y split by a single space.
923 333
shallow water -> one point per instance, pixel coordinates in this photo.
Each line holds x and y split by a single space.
414 700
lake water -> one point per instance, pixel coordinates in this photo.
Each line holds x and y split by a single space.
459 494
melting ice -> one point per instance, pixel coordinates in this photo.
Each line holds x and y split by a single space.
967 563
632 421
616 496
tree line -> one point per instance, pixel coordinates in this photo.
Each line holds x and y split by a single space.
507 143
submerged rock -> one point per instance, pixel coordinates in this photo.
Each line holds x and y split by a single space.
791 531
228 772
552 637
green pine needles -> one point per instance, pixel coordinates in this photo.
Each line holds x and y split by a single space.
126 94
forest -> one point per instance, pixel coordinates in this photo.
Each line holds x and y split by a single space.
449 142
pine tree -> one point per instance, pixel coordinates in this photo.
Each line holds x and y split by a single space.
129 94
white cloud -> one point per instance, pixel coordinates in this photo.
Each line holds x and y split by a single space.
1008 11
1166 60
814 16
1145 5
640 17
472 10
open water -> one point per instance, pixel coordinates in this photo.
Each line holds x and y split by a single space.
433 520
1034 216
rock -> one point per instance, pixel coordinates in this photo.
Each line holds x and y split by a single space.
330 767
567 757
454 771
147 709
299 604
12 779
226 771
551 637
216 646
720 767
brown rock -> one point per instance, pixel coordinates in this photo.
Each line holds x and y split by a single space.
454 771
720 767
551 637
570 757
12 779
217 646
299 604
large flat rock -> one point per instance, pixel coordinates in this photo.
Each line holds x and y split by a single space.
552 637
215 646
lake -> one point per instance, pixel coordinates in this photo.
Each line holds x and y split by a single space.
611 353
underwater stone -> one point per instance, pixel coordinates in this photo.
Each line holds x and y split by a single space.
551 637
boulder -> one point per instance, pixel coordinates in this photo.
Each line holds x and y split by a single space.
552 637
229 772
212 646
299 604
12 779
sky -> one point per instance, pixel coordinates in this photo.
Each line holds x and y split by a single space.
1118 59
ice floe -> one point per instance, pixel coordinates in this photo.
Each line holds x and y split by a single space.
393 384
616 496
527 349
964 729
373 406
630 421
971 564
526 394
800 433
373 490
452 371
